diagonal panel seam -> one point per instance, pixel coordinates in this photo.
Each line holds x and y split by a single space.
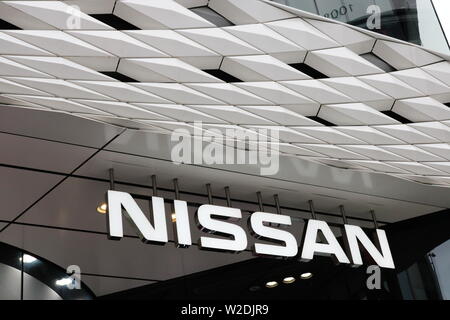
61 181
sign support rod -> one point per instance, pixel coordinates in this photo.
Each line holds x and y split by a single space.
176 189
228 196
260 201
209 192
154 186
374 218
111 179
311 208
344 217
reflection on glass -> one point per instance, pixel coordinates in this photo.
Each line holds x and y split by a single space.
414 21
443 11
28 258
440 259
430 30
24 276
10 283
418 282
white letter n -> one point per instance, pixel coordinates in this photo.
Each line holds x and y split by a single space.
147 233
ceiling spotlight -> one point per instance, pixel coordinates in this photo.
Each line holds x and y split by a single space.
306 275
63 282
288 280
174 217
271 284
102 208
27 258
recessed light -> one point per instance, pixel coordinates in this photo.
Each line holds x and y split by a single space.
27 258
288 280
306 275
271 284
102 208
174 217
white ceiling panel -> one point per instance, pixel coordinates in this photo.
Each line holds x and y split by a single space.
58 14
353 114
154 14
302 33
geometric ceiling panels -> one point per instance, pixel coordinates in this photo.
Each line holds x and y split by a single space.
248 11
422 81
377 166
280 115
193 3
417 168
391 86
178 93
274 92
172 43
60 67
357 42
329 135
119 44
291 149
439 149
442 166
103 64
289 135
233 115
375 153
360 91
267 40
123 110
438 130
121 91
58 14
172 69
340 62
294 73
7 86
370 135
303 34
181 113
440 71
353 114
406 133
59 43
127 123
334 151
402 56
20 19
412 152
155 14
228 93
422 109
59 88
12 45
260 68
94 7
60 104
220 41
317 91
14 69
